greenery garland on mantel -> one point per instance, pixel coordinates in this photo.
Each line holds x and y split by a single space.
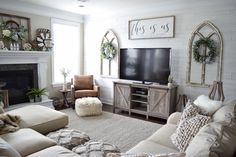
108 51
207 58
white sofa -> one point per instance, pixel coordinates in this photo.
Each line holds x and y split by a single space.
217 138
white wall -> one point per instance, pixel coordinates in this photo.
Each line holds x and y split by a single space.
188 14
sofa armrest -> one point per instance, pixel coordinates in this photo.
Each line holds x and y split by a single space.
174 118
97 88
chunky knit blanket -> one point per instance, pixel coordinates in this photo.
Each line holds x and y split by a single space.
9 123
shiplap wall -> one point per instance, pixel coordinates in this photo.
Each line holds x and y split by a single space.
188 14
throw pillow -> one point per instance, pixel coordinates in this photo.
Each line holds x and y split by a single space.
145 155
191 110
207 106
186 131
214 139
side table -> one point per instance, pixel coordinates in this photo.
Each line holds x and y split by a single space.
65 101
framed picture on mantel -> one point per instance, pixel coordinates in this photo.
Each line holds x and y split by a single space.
150 28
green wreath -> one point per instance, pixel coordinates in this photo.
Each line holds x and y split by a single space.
210 56
108 51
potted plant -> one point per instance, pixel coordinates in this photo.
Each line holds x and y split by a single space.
37 93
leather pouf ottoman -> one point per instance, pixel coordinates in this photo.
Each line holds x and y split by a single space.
69 138
95 149
89 106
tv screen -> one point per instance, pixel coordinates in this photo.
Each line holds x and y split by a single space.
145 64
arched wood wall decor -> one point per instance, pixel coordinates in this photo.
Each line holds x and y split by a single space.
109 67
202 74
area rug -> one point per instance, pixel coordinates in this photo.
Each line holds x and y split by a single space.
124 132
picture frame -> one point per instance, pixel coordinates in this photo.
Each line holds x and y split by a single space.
152 28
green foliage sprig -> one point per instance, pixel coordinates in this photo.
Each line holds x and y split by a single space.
211 54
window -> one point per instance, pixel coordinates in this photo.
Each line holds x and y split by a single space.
66 38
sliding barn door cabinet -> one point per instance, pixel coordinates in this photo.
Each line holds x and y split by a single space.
149 100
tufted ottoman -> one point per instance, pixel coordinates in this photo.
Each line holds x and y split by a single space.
69 138
89 106
95 149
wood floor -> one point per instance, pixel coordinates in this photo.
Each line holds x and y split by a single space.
108 108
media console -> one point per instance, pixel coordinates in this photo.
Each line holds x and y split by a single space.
150 100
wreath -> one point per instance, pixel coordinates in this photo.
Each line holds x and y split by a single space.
209 57
108 51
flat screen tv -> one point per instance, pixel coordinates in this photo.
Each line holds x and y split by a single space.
145 64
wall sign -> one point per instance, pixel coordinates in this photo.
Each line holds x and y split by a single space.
160 27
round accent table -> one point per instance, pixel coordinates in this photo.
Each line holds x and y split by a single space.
65 101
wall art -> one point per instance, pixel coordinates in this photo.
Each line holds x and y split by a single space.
159 27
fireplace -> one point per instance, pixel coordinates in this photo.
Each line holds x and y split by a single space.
18 79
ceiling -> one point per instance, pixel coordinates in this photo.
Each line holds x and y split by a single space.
96 6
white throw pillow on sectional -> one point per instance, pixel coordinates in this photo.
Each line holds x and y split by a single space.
207 105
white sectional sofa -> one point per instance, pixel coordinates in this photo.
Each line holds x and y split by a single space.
29 141
215 139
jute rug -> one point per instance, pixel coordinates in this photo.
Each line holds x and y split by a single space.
124 132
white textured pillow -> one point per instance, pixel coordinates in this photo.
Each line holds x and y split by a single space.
207 106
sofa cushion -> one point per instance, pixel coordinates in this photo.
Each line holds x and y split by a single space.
207 106
54 151
150 147
40 118
27 141
162 136
85 93
83 82
7 150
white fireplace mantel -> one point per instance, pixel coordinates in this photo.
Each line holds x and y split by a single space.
29 57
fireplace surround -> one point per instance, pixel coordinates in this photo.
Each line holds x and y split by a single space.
24 67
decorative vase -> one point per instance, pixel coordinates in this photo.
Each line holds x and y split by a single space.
169 85
64 86
31 100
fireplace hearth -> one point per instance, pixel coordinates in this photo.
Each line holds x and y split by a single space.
19 79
